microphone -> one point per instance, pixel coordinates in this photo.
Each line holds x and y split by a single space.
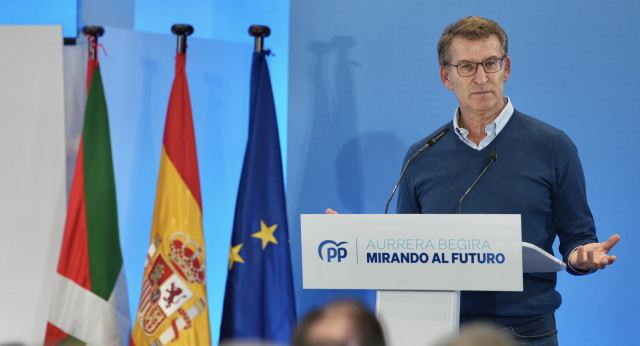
433 140
492 158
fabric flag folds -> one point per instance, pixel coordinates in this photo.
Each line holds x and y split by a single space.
90 303
173 306
259 298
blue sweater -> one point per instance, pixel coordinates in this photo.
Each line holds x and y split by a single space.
537 174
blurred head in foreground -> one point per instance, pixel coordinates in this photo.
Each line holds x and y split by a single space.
479 334
339 323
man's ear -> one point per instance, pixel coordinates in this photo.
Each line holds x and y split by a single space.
444 77
507 68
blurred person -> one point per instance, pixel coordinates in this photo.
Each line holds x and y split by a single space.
480 334
245 342
344 322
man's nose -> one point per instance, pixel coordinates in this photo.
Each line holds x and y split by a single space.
480 77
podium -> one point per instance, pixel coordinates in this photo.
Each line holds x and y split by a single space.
418 263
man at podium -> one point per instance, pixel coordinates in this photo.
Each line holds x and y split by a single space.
497 160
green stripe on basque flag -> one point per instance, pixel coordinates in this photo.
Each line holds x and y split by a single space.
105 258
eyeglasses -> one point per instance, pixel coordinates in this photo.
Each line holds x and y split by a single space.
468 69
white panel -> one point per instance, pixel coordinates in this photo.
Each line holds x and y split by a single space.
32 178
418 317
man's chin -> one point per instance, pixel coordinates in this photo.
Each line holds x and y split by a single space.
486 106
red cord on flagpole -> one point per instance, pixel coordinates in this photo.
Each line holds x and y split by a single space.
92 33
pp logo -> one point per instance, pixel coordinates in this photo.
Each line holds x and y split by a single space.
333 250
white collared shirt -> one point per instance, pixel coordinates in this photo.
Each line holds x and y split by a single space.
492 130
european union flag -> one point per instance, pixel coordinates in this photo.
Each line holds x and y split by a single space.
259 299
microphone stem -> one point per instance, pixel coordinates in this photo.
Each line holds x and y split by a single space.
386 209
474 184
432 141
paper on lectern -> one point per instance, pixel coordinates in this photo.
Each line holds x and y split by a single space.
536 260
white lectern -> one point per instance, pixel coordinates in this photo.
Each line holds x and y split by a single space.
418 263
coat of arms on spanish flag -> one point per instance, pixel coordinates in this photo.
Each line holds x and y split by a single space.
173 302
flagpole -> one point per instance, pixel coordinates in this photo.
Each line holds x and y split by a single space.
93 32
259 32
182 30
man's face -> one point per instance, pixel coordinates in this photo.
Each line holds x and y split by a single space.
482 93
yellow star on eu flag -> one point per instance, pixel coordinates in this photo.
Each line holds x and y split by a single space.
266 234
234 255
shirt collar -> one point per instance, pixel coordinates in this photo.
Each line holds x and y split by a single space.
499 122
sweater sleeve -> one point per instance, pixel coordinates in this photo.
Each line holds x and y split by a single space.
407 200
571 213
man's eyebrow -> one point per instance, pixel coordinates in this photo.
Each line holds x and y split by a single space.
473 62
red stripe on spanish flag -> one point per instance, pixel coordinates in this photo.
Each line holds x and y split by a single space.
179 139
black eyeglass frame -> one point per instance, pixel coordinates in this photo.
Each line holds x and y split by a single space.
475 70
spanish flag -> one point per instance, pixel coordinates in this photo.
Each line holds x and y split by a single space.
173 301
